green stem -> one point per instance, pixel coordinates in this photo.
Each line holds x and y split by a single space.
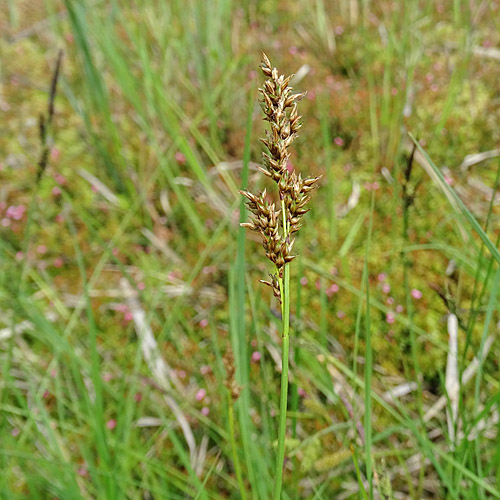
285 312
236 460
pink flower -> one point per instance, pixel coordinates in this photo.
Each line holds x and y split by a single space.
205 369
128 316
15 432
289 166
390 318
256 356
82 471
141 286
399 308
60 179
382 277
293 50
56 191
19 256
304 281
338 141
204 323
332 289
205 411
15 212
200 395
180 158
339 30
302 392
386 288
181 374
340 314
390 301
59 218
55 154
137 397
111 424
41 249
416 294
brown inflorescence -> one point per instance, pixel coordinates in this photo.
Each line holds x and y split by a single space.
276 226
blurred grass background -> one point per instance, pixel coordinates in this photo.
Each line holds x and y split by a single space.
125 278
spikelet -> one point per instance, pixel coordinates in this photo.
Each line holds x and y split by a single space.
279 105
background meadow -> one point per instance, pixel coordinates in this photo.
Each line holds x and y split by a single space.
127 285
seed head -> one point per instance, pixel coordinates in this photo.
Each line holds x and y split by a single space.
279 105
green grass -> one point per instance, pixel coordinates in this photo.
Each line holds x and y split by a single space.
158 101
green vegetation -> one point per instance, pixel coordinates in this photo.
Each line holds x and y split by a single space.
141 358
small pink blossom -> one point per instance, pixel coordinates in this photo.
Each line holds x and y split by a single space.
128 316
256 356
56 191
293 50
55 154
82 471
205 411
60 179
340 314
138 397
394 91
181 374
304 281
390 318
111 424
390 301
338 141
334 288
200 395
59 218
41 249
416 294
15 432
107 376
205 369
204 323
382 277
141 286
339 30
5 222
19 256
15 212
302 392
289 166
311 95
180 158
399 308
386 288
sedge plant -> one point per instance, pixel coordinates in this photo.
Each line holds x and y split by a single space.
277 224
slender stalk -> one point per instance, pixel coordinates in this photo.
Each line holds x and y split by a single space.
285 318
236 460
285 311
